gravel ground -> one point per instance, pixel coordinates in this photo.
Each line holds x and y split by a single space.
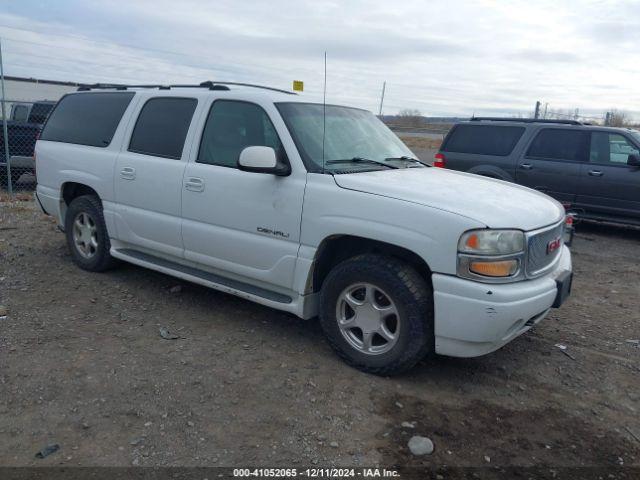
82 365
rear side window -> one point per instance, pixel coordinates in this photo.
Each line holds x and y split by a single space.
87 118
483 139
560 144
20 113
39 112
162 127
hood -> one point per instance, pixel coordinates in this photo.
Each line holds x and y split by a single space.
495 203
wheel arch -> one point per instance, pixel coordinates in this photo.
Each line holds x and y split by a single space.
337 248
491 172
69 191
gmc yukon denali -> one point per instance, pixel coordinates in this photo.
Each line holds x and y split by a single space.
318 210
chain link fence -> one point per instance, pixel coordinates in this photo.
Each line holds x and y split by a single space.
21 125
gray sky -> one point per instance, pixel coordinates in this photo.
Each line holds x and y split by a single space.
441 57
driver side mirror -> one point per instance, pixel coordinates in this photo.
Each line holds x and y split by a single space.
261 159
633 160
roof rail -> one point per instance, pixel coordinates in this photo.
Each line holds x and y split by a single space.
117 86
524 120
252 85
208 84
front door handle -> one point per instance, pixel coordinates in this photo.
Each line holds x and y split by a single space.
194 184
596 173
128 173
526 166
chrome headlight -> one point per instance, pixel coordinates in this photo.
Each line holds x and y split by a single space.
491 255
492 242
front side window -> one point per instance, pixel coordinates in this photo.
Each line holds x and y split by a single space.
560 144
162 127
610 148
329 134
231 127
86 118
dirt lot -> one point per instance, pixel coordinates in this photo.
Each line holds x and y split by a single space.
82 365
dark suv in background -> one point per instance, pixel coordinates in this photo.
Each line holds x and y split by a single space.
593 170
24 126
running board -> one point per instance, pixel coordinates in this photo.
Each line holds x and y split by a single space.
208 277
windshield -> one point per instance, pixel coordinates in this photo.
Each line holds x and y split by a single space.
636 135
351 133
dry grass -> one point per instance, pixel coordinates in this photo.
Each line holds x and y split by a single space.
421 142
18 197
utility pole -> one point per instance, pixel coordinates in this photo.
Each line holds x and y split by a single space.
4 128
384 86
537 111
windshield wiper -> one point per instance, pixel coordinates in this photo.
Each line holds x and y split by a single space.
360 160
409 159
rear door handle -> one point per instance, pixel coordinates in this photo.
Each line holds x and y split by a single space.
596 173
128 173
526 166
194 184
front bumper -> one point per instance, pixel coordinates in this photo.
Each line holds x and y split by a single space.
473 319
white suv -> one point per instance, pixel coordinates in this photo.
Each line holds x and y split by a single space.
316 210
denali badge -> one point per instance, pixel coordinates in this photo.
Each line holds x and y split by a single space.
276 233
553 245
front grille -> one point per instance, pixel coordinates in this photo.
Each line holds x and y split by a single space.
538 258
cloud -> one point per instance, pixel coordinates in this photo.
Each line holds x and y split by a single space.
545 57
442 57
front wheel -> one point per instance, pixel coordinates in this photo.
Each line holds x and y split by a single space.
377 313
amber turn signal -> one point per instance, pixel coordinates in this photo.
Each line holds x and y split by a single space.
502 268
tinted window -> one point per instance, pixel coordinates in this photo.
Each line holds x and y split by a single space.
483 139
232 126
20 113
610 148
560 144
87 118
39 112
162 127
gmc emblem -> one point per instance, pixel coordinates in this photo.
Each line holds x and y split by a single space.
553 245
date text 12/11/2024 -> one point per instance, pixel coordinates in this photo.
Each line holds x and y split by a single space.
316 472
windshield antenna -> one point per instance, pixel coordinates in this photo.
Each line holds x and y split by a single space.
324 108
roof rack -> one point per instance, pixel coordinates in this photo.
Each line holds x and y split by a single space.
524 120
208 84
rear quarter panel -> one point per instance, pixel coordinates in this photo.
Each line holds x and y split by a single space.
58 163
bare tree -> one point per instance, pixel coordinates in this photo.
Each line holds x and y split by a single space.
618 118
410 117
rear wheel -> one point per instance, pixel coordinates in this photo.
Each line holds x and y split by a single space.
87 236
377 313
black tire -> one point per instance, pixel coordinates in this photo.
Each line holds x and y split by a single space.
100 260
412 296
